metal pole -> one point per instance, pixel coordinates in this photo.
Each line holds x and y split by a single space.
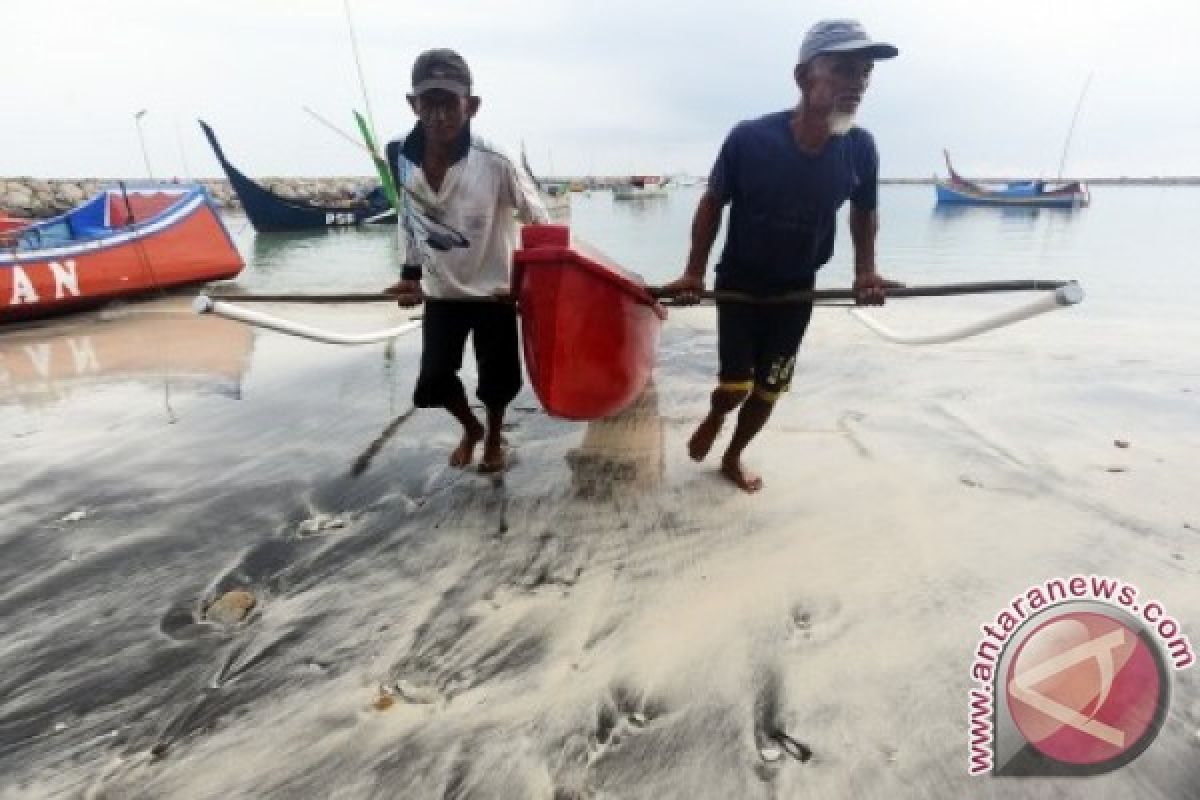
137 118
1071 129
187 170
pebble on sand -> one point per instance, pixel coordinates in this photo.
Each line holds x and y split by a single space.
231 607
319 523
1121 443
383 701
770 753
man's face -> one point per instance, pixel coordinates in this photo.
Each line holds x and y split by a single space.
835 82
442 113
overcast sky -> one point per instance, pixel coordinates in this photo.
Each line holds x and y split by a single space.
611 86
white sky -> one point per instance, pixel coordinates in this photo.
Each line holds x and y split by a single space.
604 86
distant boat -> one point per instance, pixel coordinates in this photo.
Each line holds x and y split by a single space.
640 187
269 212
555 196
957 190
589 330
124 241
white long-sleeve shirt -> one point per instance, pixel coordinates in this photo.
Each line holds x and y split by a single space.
483 195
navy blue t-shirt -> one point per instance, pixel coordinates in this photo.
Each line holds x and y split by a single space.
784 202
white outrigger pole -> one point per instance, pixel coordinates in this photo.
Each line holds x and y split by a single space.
206 305
1068 295
1059 294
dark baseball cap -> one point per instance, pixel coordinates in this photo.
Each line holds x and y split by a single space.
842 36
441 69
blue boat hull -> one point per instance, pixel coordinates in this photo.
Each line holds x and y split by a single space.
270 212
1020 195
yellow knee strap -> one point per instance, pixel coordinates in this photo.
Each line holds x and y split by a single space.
767 395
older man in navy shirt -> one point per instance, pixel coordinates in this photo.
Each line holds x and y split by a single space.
784 176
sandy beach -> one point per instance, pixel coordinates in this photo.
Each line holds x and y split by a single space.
609 620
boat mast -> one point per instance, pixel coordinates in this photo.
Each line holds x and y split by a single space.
1071 130
358 63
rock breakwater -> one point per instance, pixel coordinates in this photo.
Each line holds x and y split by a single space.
43 197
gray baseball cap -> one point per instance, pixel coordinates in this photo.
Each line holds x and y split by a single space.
441 69
842 36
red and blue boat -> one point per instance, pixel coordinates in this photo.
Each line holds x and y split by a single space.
958 191
125 241
589 329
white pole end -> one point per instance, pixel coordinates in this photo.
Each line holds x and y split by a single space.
1069 295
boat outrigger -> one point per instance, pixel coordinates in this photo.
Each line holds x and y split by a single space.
591 330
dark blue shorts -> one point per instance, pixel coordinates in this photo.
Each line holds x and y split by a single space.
444 330
757 345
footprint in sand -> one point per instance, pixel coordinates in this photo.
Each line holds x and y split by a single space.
814 622
622 714
771 736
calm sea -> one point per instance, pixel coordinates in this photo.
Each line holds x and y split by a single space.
1131 249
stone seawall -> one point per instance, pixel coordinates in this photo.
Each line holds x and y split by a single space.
41 197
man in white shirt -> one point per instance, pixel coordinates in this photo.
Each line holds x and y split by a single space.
467 187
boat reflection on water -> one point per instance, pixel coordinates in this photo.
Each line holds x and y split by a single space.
621 452
166 342
945 212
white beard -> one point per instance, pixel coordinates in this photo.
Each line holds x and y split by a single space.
840 122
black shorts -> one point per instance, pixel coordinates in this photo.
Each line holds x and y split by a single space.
757 345
493 330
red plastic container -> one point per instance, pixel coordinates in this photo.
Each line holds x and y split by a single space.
589 330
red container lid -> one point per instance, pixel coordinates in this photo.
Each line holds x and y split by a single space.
534 236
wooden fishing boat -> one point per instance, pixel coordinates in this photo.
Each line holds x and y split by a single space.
122 242
957 190
641 187
269 211
589 329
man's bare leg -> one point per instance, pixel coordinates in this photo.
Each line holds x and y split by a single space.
473 431
751 419
723 401
494 458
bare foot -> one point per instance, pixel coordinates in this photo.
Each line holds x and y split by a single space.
702 440
746 480
465 452
494 458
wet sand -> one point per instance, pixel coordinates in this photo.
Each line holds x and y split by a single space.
607 620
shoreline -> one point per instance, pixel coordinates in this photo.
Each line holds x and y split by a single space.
47 197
